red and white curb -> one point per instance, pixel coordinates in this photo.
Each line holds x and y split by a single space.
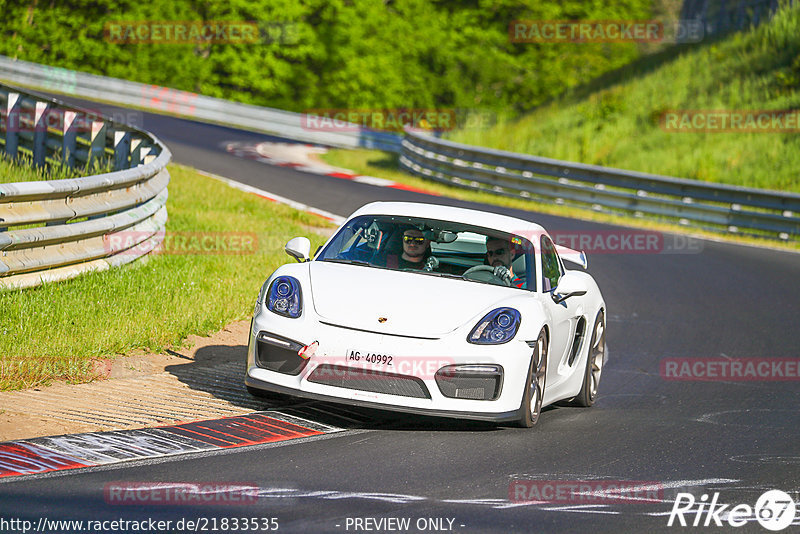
301 157
57 453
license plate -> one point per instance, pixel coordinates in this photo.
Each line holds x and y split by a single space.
366 356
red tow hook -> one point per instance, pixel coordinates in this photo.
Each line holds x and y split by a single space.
308 351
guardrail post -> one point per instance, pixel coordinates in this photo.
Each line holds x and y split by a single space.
12 124
740 15
70 135
148 154
722 25
122 148
40 134
136 152
97 141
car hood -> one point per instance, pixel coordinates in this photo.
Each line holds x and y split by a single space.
413 304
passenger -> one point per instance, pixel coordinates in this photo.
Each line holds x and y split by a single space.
499 254
416 250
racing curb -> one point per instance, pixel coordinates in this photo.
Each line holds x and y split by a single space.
251 151
58 453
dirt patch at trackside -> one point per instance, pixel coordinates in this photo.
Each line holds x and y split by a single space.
139 390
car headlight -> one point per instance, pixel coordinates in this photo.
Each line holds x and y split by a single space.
497 327
284 297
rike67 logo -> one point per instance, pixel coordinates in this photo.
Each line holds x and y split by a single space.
774 510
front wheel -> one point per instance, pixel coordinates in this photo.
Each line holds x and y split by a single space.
531 405
594 364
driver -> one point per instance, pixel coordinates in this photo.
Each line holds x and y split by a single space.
499 254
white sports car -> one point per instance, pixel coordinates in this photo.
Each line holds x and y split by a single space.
432 310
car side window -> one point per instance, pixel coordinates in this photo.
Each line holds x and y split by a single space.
551 268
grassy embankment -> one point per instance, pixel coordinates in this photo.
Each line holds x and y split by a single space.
618 125
60 330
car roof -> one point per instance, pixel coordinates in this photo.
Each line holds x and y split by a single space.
503 223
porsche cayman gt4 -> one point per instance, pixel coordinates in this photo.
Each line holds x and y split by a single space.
433 310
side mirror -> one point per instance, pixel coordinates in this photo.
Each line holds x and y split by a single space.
299 248
570 285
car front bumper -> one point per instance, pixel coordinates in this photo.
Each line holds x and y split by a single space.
412 360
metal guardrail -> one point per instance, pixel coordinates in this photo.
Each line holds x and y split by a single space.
286 124
57 229
712 206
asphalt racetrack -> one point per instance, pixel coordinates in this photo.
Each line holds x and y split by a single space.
730 440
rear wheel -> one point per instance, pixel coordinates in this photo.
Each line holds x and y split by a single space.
531 405
594 364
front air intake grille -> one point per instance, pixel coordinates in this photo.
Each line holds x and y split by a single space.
369 380
466 384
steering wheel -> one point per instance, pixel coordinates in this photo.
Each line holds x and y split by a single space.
485 274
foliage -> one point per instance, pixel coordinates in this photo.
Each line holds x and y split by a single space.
331 54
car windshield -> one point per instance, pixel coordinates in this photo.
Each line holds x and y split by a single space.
435 248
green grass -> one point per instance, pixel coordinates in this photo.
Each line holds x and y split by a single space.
61 330
615 123
22 169
386 165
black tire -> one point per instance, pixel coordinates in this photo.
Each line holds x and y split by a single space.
530 408
594 364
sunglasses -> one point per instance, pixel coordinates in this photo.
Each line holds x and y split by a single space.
413 239
496 252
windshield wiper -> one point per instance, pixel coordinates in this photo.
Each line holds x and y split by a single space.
349 262
447 275
434 273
